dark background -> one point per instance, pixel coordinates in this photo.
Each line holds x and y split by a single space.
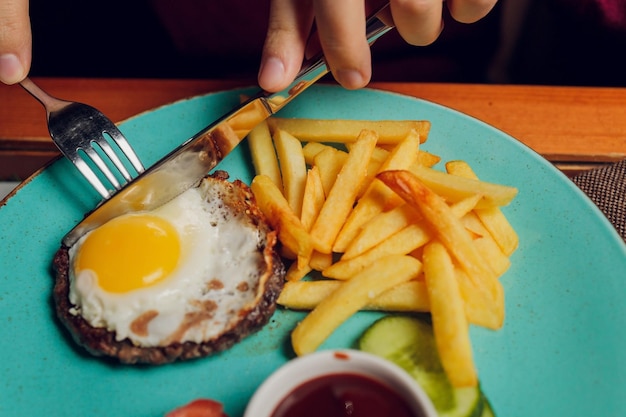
144 38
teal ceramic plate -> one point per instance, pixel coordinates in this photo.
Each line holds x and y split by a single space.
560 353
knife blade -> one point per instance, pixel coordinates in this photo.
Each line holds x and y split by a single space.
186 165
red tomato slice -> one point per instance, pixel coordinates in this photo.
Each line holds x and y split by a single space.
199 408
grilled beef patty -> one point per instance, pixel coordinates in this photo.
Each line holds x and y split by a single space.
102 342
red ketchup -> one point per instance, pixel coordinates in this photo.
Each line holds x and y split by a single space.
343 395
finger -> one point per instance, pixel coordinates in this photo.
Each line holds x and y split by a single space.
289 25
419 22
15 41
469 11
341 27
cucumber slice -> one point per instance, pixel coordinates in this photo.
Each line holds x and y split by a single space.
409 342
487 409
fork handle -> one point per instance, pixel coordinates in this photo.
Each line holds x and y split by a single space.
50 103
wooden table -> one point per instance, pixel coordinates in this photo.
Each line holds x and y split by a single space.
575 128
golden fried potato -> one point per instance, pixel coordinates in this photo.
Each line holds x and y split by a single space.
342 195
349 298
346 131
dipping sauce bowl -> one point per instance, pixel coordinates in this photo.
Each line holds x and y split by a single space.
334 383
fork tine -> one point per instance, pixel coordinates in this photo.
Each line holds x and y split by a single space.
128 151
108 150
93 155
90 176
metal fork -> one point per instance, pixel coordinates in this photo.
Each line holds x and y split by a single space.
78 130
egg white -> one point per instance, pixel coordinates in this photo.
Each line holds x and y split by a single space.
217 274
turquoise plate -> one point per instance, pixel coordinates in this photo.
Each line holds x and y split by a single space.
560 353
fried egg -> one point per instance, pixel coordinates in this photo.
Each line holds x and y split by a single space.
172 275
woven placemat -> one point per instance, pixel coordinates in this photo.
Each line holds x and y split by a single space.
606 187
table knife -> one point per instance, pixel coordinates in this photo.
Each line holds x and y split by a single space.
186 165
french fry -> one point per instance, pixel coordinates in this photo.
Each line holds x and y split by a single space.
372 169
380 228
455 188
478 308
486 245
263 154
311 149
320 261
346 131
346 300
293 167
313 198
439 215
493 218
279 215
424 158
329 162
312 202
295 272
390 222
378 157
427 159
306 295
378 194
410 297
465 206
341 197
450 231
500 228
448 315
401 243
317 262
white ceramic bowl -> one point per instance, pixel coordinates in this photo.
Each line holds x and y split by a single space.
300 370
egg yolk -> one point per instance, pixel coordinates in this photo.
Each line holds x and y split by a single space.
130 252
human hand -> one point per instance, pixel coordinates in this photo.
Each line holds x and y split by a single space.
15 41
341 29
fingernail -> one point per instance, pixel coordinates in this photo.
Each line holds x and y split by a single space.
11 69
350 79
272 74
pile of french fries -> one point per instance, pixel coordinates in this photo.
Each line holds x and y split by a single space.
360 203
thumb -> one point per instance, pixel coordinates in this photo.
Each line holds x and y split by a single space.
15 41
